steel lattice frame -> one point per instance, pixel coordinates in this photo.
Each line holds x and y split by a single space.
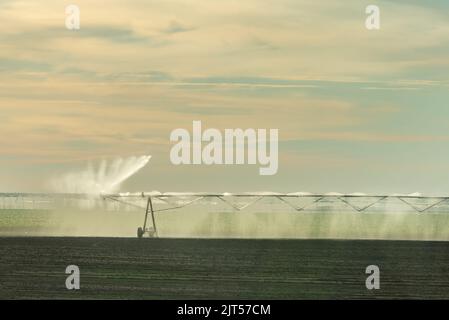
173 199
283 198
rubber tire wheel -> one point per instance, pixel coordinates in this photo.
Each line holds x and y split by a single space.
140 232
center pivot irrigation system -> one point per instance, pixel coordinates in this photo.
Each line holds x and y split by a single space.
297 201
155 202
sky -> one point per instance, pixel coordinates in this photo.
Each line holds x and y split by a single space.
357 110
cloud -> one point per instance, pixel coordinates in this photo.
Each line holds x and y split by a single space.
176 27
11 64
134 72
101 32
281 39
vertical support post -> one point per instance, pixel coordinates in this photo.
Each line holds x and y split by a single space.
151 231
146 214
152 216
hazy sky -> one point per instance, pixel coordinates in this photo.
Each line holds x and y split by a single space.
357 110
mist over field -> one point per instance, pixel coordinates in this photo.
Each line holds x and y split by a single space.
189 224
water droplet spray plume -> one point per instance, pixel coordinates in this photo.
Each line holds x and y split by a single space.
106 179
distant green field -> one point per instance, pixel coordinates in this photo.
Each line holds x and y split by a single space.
67 223
313 225
24 222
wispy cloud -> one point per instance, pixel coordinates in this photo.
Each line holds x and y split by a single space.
134 72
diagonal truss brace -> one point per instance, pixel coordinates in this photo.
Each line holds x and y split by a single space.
239 208
180 206
421 210
299 208
361 209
